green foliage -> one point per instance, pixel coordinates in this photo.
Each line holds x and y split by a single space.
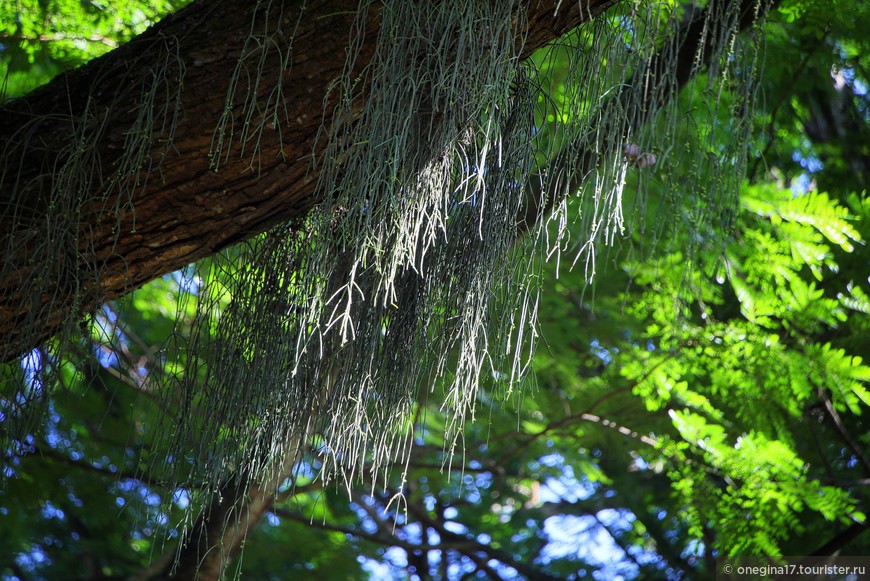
41 38
737 389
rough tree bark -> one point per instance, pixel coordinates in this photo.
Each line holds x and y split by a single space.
182 210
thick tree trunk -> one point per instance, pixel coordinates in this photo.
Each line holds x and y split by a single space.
177 203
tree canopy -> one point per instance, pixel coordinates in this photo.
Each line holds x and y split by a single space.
482 290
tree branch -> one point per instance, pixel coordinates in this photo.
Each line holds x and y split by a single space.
174 208
664 75
841 430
